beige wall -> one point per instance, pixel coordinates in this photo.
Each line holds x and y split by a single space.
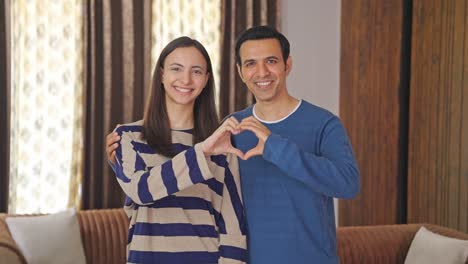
313 28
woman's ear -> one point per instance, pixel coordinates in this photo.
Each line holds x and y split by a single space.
206 79
162 74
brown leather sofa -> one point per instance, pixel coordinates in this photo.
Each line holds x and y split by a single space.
104 236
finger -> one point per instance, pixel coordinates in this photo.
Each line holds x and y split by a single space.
235 129
233 123
252 153
234 120
252 120
109 136
114 146
113 141
110 150
251 127
112 138
236 152
231 128
112 158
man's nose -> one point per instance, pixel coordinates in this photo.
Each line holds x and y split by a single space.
262 70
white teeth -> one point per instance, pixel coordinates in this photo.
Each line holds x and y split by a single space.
183 90
263 83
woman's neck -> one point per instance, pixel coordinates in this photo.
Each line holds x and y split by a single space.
180 116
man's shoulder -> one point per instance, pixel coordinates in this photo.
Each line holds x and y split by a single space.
239 115
316 111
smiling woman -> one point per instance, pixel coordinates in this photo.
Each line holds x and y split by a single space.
182 198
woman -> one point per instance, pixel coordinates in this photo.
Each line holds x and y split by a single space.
183 200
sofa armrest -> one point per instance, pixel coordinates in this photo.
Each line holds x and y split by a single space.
382 244
9 251
104 235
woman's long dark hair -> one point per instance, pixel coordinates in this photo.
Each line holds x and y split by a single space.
156 126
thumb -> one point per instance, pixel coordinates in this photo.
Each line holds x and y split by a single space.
236 152
251 153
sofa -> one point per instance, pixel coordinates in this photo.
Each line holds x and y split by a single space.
104 237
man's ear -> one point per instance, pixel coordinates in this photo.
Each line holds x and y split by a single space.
288 65
239 70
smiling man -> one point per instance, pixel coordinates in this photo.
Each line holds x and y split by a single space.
297 158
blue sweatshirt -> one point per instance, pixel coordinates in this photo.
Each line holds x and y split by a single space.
288 192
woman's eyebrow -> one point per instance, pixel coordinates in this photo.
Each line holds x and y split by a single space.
176 64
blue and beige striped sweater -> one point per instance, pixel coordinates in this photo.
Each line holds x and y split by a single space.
187 209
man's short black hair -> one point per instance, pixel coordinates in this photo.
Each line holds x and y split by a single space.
262 32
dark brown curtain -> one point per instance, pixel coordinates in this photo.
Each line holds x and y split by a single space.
118 74
4 103
238 15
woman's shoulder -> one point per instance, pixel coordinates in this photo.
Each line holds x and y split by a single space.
136 126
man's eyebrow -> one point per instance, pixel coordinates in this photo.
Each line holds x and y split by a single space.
267 58
271 57
248 60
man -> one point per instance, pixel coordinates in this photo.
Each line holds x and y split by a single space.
297 158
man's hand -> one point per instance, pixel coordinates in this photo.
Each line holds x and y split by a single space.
111 146
261 131
220 141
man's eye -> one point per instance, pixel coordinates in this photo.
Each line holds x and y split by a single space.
175 69
271 61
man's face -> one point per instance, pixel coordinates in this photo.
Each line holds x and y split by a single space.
263 69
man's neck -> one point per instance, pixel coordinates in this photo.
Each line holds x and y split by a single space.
275 109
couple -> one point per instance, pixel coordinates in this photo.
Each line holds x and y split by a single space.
182 177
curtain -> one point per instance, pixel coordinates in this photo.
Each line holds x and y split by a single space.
4 103
238 15
117 78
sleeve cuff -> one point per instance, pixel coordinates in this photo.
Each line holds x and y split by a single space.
202 162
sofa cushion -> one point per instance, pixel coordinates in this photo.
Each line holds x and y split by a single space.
429 247
53 238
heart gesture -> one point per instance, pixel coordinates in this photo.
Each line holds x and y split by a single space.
220 141
262 132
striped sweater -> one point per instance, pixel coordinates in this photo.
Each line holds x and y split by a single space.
185 210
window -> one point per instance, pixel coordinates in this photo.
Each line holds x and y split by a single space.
47 84
47 67
197 19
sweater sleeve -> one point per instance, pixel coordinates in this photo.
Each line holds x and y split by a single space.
144 184
231 222
332 172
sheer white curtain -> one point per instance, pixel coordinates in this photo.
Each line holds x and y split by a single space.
47 82
47 68
198 19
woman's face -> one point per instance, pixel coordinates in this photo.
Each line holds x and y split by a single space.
184 76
